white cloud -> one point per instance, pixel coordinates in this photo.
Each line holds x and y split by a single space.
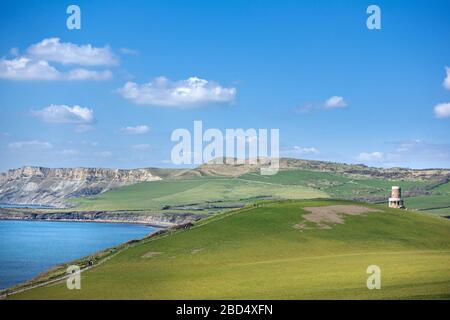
65 114
305 150
23 68
140 129
51 49
442 110
34 64
335 102
446 82
184 93
372 156
141 147
30 144
26 69
85 74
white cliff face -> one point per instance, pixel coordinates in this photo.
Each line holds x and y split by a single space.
47 186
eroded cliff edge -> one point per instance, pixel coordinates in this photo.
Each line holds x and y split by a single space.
49 186
166 219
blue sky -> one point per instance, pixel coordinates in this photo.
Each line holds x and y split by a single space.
336 90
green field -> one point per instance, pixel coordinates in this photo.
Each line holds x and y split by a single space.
287 184
258 253
438 202
336 185
157 194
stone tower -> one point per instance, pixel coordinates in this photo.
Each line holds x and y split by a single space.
396 201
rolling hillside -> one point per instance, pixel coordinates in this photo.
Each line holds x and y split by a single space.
193 194
54 186
207 192
303 249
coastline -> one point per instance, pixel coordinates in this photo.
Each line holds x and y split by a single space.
57 273
165 222
154 219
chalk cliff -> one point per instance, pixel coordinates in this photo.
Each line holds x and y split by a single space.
48 186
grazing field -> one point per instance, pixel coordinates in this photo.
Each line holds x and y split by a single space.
157 194
437 202
335 184
286 184
260 252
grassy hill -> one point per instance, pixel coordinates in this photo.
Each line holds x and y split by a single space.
422 194
279 250
158 194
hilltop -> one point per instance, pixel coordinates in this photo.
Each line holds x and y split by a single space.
304 249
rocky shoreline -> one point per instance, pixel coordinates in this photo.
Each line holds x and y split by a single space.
164 220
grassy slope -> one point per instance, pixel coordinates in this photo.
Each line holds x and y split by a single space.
437 203
335 184
154 195
287 184
341 186
256 253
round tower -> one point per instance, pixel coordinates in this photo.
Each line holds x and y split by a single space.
396 192
396 201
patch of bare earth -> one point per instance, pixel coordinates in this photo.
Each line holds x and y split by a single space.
150 254
325 217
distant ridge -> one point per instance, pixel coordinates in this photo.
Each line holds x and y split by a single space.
53 186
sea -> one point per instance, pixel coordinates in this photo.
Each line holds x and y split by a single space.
28 248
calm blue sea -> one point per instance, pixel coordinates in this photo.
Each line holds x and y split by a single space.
28 248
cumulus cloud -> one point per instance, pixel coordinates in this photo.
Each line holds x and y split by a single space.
442 110
23 68
183 93
371 156
140 129
52 49
35 63
65 114
446 82
30 144
335 102
26 69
